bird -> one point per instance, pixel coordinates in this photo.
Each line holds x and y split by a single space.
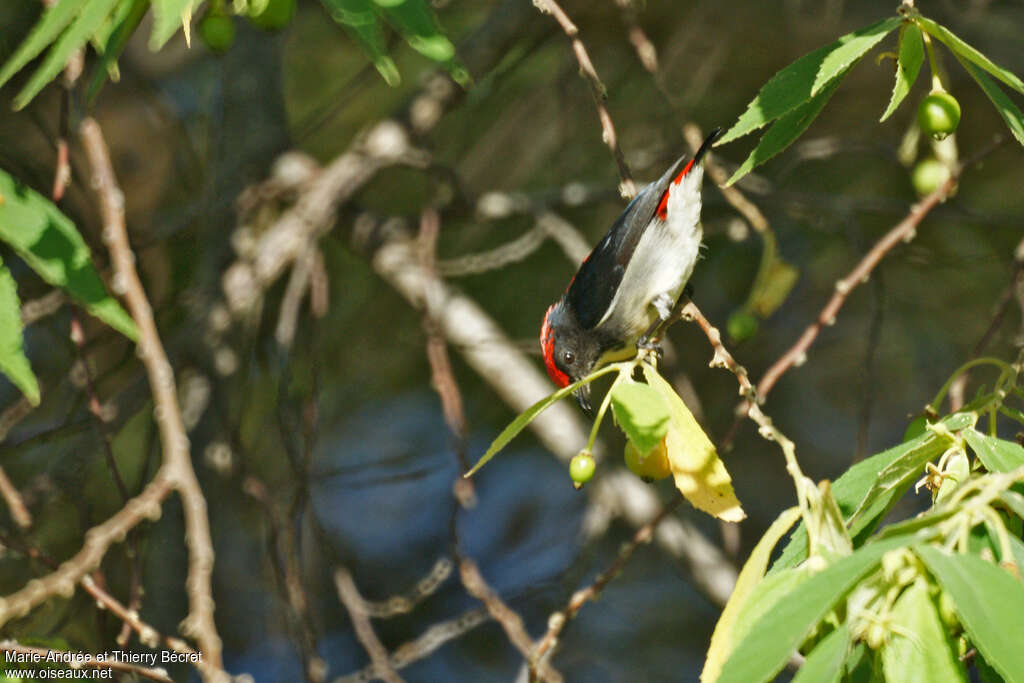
631 281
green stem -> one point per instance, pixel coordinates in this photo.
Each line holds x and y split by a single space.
936 80
606 401
1001 364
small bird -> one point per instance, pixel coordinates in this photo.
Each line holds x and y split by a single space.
631 280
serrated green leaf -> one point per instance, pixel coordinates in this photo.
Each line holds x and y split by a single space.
697 471
74 38
826 661
965 52
13 361
641 412
167 19
997 455
780 631
908 66
50 25
918 648
785 131
988 602
750 576
360 20
850 48
49 243
527 416
803 79
851 488
1002 102
115 46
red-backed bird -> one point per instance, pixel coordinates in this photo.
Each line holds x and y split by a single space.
632 279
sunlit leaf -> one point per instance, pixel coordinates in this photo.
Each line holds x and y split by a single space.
805 78
50 244
1004 105
918 648
965 52
115 46
785 131
527 416
749 578
641 412
908 66
13 361
50 25
774 638
360 19
168 17
825 662
698 472
989 603
997 455
89 19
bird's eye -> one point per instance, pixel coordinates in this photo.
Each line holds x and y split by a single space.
568 357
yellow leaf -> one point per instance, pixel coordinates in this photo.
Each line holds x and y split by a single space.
699 473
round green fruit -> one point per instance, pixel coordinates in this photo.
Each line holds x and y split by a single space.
217 31
929 175
653 467
581 468
939 114
275 16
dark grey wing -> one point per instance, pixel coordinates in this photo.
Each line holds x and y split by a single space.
593 288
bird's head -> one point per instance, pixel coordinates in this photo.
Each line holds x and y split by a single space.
570 352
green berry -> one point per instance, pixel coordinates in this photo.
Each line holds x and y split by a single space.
217 31
939 114
581 468
929 175
275 16
742 325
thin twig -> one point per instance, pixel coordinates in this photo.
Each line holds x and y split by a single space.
349 595
15 503
558 620
597 89
76 660
177 462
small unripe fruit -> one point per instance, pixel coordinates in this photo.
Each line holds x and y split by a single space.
742 325
929 175
275 16
939 114
947 612
217 31
651 468
581 468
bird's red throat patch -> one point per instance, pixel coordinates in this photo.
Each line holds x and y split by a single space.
547 345
662 211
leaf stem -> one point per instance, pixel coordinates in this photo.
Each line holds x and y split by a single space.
936 79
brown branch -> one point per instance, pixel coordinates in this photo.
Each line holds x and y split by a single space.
597 89
349 595
904 231
177 464
75 660
558 620
15 503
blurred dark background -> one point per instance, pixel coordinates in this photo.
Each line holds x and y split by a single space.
335 451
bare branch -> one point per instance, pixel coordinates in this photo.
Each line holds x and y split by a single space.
15 503
353 601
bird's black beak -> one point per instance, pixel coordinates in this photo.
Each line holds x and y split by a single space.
583 398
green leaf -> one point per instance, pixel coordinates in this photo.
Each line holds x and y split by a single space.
1014 501
417 23
825 662
50 244
908 65
965 52
995 454
53 21
851 488
641 412
1003 104
168 17
74 38
806 77
918 648
359 19
772 288
780 631
784 132
13 361
989 603
749 578
527 416
115 46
